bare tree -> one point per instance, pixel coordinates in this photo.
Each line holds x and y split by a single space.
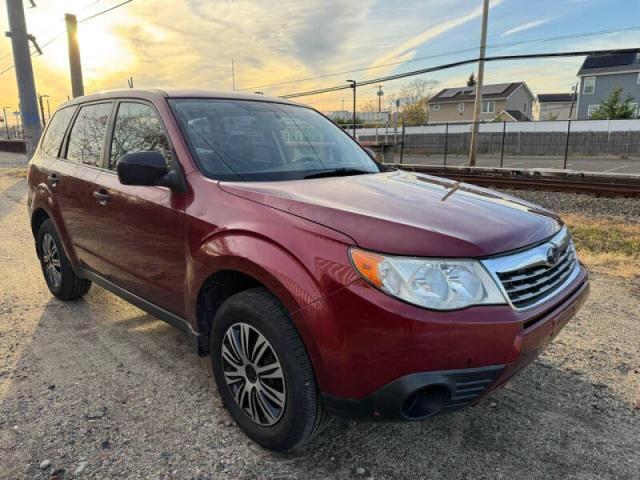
370 106
413 100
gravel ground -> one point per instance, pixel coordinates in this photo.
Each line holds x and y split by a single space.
102 390
627 209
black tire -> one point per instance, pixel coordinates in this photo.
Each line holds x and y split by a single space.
303 414
68 286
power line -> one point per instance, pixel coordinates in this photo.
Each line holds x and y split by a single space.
446 54
86 7
55 37
458 64
107 10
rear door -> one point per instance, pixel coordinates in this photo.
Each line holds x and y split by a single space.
141 229
74 169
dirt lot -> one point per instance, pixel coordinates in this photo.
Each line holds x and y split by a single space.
99 384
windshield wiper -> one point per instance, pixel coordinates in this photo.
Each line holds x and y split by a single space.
337 172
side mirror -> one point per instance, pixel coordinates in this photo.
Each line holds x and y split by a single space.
147 169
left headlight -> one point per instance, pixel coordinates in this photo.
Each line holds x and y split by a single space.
431 283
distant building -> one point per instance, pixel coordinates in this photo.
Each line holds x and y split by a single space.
363 117
456 104
601 74
556 106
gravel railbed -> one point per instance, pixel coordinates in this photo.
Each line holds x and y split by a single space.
626 209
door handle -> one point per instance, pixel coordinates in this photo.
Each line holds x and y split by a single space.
53 179
102 196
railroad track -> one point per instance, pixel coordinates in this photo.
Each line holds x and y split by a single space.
601 184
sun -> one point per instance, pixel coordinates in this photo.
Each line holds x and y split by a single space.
101 52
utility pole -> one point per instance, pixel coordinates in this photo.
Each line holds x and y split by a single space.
6 120
24 74
380 95
233 75
44 120
478 103
574 94
354 86
77 86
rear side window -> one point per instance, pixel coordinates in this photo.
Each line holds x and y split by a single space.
86 140
137 129
55 131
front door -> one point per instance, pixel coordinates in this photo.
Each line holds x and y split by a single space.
140 229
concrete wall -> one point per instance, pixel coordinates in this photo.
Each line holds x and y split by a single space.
604 86
14 146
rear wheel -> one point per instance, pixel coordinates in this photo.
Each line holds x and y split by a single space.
60 277
263 372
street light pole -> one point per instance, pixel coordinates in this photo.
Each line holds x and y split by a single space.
478 102
354 86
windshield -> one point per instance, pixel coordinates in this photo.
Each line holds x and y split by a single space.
243 140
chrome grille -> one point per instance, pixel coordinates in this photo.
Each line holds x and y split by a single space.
531 277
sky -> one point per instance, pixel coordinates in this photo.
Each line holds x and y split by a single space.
276 43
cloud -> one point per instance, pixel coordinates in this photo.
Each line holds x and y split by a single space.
525 26
407 50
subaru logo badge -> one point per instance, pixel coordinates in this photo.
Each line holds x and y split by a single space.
552 255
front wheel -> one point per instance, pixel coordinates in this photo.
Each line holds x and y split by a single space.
263 372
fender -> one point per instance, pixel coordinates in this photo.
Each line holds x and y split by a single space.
43 199
279 270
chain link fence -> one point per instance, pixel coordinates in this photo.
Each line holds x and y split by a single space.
586 145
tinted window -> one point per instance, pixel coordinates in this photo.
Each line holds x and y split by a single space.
137 129
252 140
86 139
55 131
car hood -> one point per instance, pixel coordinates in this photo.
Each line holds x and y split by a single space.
406 213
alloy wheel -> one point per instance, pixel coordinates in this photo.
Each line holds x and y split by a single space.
51 260
253 373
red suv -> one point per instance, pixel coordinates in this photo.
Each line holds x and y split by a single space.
317 279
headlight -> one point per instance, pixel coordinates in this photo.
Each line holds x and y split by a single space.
430 283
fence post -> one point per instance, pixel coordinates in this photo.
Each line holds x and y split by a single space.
566 145
402 145
504 128
446 139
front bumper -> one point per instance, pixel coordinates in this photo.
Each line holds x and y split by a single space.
420 395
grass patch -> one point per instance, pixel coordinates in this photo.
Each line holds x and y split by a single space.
607 245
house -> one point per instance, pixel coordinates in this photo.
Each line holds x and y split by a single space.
456 104
601 74
556 106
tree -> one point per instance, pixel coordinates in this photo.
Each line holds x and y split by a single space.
471 81
370 107
413 100
613 107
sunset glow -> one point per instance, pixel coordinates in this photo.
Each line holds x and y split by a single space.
280 47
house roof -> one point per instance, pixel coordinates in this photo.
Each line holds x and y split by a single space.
466 94
516 115
555 97
610 63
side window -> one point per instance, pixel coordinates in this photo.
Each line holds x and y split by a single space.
589 85
55 131
137 129
86 139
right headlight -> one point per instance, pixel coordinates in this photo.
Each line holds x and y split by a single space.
436 284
